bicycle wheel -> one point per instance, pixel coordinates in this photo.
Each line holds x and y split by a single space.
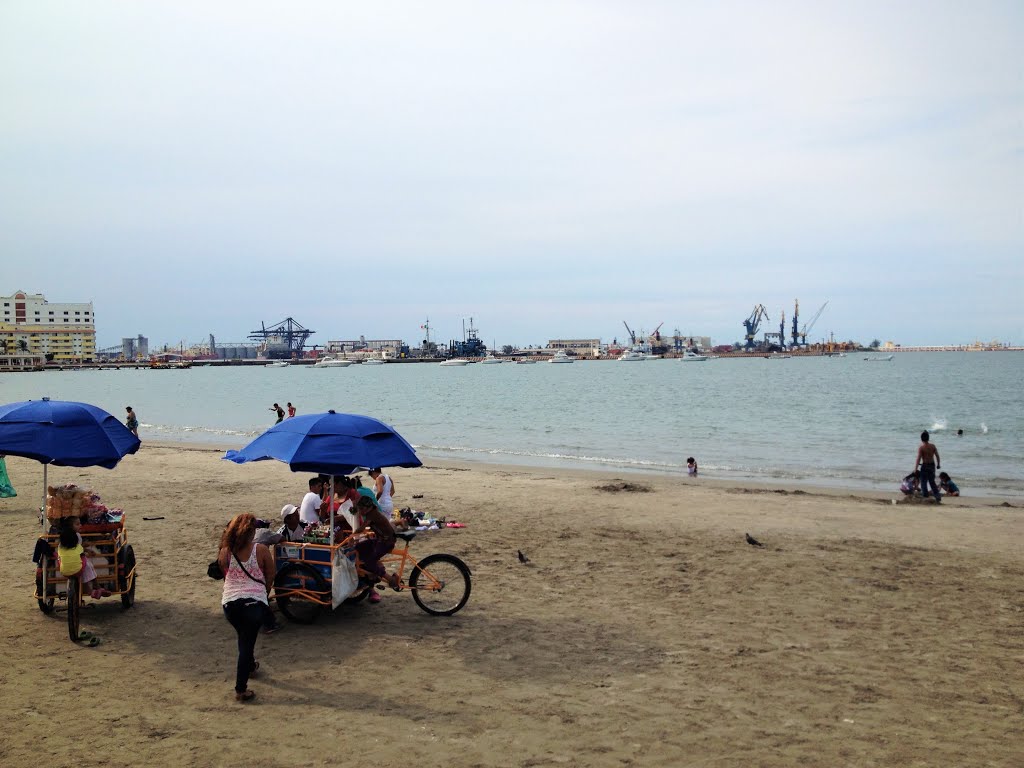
44 591
126 579
300 608
440 584
74 606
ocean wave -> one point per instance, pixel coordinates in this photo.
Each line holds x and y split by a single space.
194 432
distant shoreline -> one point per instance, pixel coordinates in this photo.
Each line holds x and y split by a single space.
738 485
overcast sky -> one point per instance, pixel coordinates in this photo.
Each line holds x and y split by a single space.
551 169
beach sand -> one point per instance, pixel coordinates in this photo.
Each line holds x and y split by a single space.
644 631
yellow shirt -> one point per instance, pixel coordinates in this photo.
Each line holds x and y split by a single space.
70 559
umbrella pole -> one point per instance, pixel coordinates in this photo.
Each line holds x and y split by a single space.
330 502
42 503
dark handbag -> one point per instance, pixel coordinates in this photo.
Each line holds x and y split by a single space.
214 571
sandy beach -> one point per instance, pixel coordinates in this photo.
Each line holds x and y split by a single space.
644 631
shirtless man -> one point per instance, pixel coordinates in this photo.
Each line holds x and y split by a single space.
928 459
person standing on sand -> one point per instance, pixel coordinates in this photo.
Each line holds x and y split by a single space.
291 411
383 491
132 421
928 459
248 576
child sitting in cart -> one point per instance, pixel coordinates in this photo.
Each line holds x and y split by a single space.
369 516
72 557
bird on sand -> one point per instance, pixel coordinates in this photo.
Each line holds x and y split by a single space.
522 558
752 541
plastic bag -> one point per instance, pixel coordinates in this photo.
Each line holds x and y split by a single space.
344 579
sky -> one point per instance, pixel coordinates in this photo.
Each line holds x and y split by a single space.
550 169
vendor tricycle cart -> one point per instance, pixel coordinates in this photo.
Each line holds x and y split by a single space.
114 561
307 572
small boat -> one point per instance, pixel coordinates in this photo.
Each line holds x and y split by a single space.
491 360
332 362
633 356
277 364
561 357
525 361
455 361
882 359
777 356
374 361
693 357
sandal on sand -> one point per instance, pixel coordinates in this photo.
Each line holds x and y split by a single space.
245 696
85 635
374 596
93 642
98 593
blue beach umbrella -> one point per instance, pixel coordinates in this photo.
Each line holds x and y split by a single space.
65 434
330 443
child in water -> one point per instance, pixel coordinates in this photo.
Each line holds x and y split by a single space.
691 467
911 483
947 485
72 559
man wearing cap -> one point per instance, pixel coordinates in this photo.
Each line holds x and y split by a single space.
292 529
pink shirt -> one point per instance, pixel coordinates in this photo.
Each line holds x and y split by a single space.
238 586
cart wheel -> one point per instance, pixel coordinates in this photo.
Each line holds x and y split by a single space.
126 580
74 606
44 592
440 584
358 597
299 608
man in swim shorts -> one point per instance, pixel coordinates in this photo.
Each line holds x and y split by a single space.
928 459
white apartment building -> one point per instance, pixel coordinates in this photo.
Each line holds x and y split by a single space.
29 323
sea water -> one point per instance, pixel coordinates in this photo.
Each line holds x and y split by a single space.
803 420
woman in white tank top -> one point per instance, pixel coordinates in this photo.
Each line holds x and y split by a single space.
248 575
383 489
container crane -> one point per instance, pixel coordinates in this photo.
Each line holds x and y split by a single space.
753 322
796 316
779 336
284 340
807 328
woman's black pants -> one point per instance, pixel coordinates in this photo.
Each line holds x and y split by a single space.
246 616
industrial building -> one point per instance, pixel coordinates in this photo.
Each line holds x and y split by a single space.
582 347
59 332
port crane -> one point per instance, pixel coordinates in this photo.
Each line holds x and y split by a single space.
282 340
796 315
753 322
632 336
807 328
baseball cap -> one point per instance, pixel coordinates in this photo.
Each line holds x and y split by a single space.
287 509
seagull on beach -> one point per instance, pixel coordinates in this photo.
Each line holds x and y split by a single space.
752 541
522 558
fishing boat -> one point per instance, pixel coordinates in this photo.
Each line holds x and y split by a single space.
277 364
455 362
374 361
691 356
525 361
561 357
491 360
332 362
